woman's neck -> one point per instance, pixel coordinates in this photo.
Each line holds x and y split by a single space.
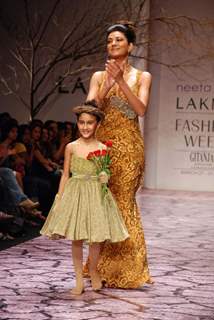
122 60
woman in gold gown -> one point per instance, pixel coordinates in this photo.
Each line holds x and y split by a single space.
123 93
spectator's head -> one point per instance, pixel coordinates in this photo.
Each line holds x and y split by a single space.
61 129
24 134
9 130
51 134
51 124
37 121
4 116
36 131
45 135
20 149
69 128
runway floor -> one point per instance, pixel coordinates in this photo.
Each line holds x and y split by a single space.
36 276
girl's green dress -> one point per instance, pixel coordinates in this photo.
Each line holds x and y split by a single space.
82 213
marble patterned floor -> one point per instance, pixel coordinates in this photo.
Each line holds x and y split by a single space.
36 276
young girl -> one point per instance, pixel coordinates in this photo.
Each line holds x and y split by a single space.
79 211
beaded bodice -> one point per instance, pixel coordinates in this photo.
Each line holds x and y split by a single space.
116 98
123 107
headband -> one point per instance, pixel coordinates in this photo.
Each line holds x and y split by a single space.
117 25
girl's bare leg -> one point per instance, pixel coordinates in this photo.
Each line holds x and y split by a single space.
77 255
94 251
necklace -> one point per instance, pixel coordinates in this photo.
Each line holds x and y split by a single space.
127 68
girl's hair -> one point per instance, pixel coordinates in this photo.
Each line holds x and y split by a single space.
126 27
90 107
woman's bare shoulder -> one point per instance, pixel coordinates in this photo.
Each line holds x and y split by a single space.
146 75
143 73
98 75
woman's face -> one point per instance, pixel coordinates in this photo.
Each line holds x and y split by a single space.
54 127
87 125
12 135
26 138
36 133
68 129
45 135
117 45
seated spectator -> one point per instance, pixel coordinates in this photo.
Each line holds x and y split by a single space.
42 166
24 136
9 132
8 155
69 130
21 209
4 117
58 139
36 187
20 162
51 124
16 195
60 143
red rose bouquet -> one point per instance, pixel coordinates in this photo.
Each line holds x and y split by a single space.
101 159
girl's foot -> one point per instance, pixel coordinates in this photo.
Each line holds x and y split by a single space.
79 286
96 282
79 289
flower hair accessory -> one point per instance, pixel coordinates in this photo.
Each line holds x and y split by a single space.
89 107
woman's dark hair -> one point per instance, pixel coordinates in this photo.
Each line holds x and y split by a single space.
34 124
7 127
48 123
127 28
21 131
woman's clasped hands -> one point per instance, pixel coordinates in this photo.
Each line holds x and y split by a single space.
114 71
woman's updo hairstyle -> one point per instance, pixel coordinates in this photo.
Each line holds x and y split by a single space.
126 27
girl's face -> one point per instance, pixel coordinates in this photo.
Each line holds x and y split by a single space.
87 125
36 133
117 45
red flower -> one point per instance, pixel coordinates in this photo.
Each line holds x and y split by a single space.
97 153
101 159
104 152
90 155
108 143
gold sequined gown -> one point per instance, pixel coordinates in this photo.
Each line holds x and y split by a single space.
124 265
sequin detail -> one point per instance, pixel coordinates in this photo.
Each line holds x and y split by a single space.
123 106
